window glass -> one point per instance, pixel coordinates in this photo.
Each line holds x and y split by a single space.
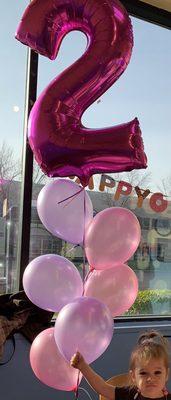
143 91
12 94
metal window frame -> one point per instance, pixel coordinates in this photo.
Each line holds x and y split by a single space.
148 13
135 8
27 171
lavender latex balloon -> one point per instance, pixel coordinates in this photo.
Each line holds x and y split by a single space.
67 220
116 287
51 281
61 144
48 364
85 325
112 237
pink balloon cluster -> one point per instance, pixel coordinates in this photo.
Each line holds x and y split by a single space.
53 283
85 319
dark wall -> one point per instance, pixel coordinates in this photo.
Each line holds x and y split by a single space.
17 381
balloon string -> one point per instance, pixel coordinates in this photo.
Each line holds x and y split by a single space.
84 255
72 248
85 276
71 197
76 391
83 273
85 391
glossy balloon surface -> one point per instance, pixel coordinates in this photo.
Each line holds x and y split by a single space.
116 287
51 281
61 144
48 364
65 210
112 237
84 325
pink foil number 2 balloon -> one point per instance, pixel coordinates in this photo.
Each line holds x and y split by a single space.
61 144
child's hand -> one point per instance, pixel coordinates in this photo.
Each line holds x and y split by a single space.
77 360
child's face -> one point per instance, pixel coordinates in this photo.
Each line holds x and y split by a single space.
150 377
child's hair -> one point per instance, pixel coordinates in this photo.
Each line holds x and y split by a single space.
150 344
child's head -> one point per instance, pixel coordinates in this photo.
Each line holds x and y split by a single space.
149 364
150 345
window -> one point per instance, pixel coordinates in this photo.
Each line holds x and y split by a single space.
142 91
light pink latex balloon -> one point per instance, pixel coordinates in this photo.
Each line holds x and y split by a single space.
116 287
68 219
112 237
48 364
51 281
85 325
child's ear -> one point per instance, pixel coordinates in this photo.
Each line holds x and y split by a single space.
132 376
167 375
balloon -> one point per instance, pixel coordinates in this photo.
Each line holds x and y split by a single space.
69 219
116 287
51 281
112 237
61 144
48 364
84 325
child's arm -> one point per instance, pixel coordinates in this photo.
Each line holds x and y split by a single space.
94 380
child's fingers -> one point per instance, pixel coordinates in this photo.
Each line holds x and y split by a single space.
75 359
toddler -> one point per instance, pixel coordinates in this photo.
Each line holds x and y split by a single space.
149 371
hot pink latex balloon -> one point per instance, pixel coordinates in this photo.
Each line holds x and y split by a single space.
61 144
48 364
112 237
116 287
67 219
84 325
51 281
